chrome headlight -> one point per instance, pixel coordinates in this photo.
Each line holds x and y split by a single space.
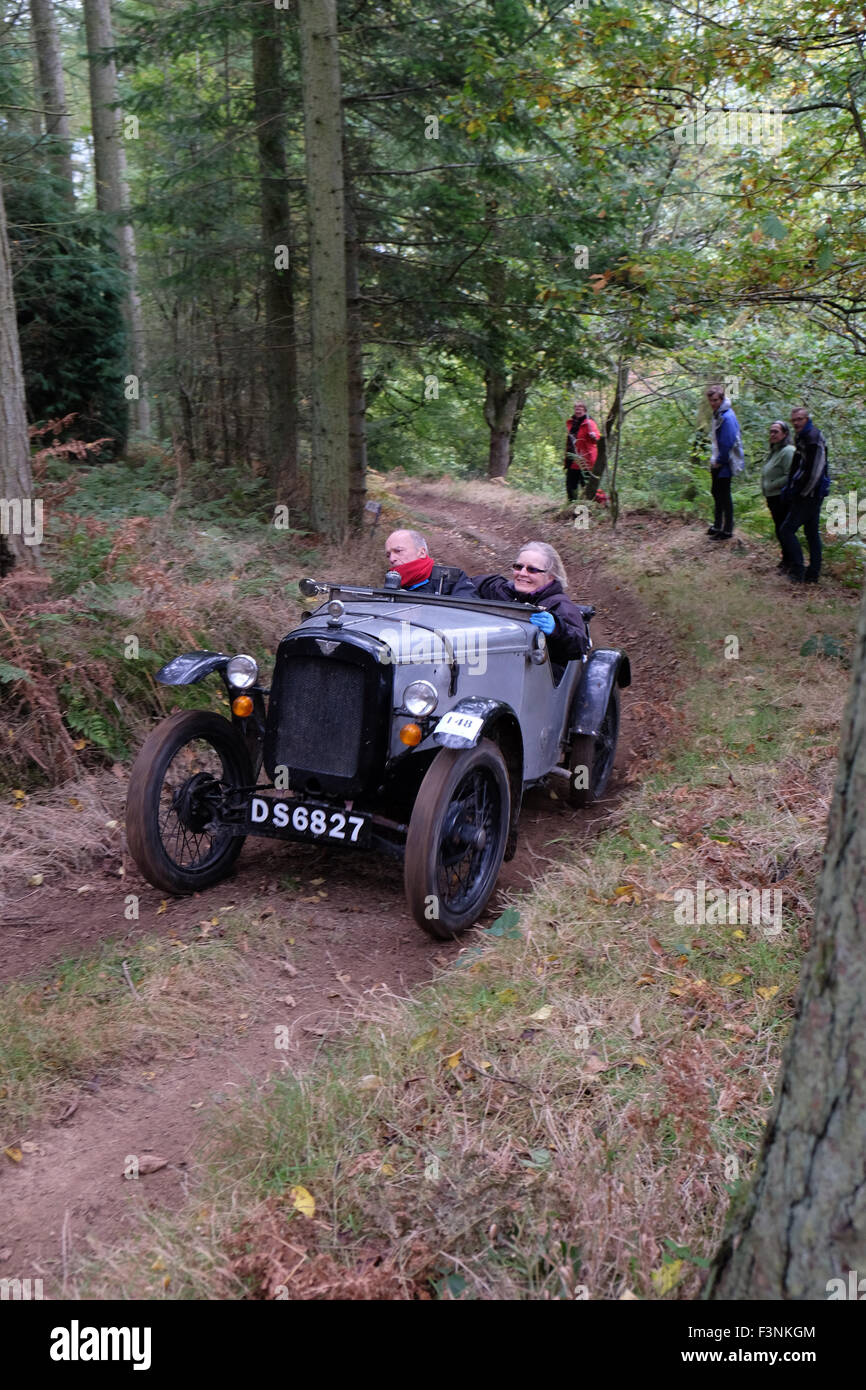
242 671
420 697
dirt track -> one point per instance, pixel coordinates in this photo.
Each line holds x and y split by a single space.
69 1189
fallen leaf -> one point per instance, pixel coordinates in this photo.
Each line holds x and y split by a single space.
161 909
542 1014
151 1163
314 882
35 880
730 978
423 1039
639 1061
656 946
14 1153
668 1276
739 935
74 803
628 1297
677 844
303 1201
369 1083
645 980
767 991
85 888
387 1170
79 743
454 1060
111 825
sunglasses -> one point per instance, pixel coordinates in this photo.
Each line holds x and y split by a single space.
530 569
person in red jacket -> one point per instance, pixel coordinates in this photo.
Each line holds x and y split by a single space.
581 448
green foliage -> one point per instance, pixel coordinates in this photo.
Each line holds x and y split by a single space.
68 292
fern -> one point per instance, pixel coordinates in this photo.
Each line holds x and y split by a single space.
8 672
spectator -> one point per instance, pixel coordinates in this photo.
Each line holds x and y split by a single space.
581 448
539 577
774 476
807 486
726 460
408 554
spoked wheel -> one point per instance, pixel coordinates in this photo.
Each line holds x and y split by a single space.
595 755
175 788
457 837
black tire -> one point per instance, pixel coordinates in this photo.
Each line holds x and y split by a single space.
464 792
596 754
166 805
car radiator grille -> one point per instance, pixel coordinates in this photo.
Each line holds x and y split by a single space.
322 715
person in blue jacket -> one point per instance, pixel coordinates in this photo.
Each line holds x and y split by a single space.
726 460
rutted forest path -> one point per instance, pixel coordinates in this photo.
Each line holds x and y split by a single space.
344 915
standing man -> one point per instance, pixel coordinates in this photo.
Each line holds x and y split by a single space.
808 485
581 448
726 460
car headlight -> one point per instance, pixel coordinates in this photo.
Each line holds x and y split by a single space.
420 697
242 671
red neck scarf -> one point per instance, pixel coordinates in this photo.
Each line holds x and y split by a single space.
414 572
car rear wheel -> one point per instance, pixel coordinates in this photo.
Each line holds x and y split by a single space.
175 788
457 837
591 759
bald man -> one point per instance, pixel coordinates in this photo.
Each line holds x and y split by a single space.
409 555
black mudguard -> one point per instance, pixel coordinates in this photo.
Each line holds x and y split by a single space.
191 667
603 670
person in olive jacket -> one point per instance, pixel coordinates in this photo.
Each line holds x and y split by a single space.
540 578
774 476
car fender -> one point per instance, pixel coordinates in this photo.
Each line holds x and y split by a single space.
605 667
191 667
478 706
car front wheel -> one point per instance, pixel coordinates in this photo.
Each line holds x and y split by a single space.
457 837
175 790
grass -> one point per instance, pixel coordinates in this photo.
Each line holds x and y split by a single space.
88 1014
568 1110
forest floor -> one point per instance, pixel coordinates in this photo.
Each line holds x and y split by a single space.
172 1017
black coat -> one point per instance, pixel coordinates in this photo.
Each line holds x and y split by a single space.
445 579
569 639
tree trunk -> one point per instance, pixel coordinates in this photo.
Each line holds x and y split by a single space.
281 363
357 403
17 505
805 1220
49 61
112 196
503 406
320 81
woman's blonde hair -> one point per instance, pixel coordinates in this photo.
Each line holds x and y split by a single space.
553 563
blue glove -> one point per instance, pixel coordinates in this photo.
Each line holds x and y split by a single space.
545 621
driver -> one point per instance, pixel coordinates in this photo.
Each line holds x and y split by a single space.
408 554
540 578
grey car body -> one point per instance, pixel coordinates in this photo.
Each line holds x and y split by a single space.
423 719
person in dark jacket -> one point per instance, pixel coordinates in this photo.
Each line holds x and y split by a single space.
408 554
726 460
805 490
581 448
774 476
540 578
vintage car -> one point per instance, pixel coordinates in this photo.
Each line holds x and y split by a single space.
408 724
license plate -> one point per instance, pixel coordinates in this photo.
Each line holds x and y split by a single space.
307 821
465 724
